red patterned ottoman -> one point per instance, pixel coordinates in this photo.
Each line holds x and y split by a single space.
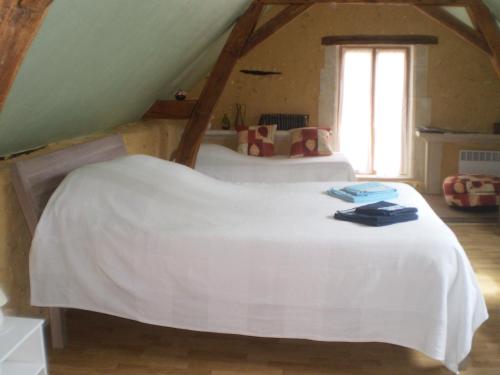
472 190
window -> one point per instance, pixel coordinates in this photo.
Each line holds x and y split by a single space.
373 109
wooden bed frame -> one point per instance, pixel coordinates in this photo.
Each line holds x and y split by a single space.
36 179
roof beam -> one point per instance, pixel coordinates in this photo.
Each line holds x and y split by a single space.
458 27
197 125
372 2
19 23
472 19
273 25
487 25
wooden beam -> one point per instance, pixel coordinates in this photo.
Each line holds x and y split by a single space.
19 23
193 134
487 25
372 2
378 39
273 25
473 20
458 27
171 109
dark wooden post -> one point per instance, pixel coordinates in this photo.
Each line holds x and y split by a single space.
458 27
487 25
197 125
19 23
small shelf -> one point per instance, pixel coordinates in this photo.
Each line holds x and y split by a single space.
14 332
22 350
17 368
233 133
220 132
460 137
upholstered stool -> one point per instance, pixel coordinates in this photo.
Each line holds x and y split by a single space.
472 190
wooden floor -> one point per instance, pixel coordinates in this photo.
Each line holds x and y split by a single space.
455 215
106 345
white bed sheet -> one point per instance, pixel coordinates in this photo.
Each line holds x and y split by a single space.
153 241
228 165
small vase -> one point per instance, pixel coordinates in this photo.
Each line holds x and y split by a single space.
225 123
239 120
180 95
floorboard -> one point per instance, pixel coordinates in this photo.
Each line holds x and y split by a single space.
104 345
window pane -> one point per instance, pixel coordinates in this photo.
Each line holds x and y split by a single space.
355 108
389 116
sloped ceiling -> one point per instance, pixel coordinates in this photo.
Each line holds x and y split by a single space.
495 7
96 64
462 15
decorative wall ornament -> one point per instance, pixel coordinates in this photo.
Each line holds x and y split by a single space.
259 72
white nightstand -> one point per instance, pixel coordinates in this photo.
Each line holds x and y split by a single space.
22 348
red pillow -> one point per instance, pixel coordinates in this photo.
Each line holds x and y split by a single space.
257 140
310 141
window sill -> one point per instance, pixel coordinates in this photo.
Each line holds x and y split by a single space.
361 176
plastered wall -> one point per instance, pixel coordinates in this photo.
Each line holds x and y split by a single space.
157 138
463 88
462 92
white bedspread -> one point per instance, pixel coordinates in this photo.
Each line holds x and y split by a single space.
228 165
154 241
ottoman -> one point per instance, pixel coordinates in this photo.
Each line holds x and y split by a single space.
472 190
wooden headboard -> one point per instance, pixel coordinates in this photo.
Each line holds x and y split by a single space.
36 179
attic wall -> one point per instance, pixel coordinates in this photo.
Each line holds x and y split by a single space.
97 64
462 86
157 138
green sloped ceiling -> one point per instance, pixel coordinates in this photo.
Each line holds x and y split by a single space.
96 64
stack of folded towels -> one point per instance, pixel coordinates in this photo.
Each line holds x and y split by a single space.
378 214
364 193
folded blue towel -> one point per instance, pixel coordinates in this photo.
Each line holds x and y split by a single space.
391 194
368 188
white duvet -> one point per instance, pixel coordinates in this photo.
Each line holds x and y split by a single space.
228 165
154 241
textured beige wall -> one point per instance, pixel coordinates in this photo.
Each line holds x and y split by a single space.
462 86
156 138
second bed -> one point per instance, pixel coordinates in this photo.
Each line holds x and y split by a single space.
228 165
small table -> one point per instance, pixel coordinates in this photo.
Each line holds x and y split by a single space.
22 347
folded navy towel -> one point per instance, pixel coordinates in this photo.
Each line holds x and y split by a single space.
372 220
383 208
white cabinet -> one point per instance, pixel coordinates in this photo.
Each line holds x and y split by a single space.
22 348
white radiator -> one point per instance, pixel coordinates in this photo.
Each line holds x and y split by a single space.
479 162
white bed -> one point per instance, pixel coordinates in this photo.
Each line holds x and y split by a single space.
228 165
153 241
